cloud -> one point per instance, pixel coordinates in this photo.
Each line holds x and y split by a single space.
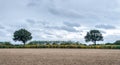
67 26
59 19
64 13
10 31
72 24
104 32
64 28
19 26
33 3
103 26
59 11
2 33
30 21
2 27
69 29
111 38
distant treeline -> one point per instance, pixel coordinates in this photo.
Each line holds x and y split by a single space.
58 43
55 43
61 44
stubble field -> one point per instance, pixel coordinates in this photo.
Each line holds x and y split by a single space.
59 57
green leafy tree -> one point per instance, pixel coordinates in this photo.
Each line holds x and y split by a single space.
93 36
22 35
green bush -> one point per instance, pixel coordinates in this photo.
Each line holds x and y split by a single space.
63 46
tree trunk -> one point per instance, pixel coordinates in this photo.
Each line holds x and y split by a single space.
94 42
24 44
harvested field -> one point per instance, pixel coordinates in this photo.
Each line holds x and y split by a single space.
59 57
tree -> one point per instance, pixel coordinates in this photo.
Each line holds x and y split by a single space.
93 36
5 43
22 35
117 42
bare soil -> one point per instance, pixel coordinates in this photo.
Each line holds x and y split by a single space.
59 57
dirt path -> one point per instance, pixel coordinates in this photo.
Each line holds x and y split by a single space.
59 57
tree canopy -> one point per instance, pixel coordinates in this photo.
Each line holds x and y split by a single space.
117 42
93 36
22 35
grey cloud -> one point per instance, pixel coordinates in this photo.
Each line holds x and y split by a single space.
2 33
72 24
64 13
66 28
31 21
111 38
103 32
112 15
80 9
18 26
59 36
32 2
10 30
35 2
48 33
2 27
102 26
38 23
52 27
69 29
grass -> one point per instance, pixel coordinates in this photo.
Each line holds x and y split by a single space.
59 57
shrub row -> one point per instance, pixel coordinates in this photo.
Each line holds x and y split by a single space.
63 46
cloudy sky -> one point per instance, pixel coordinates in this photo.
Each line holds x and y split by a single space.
60 19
